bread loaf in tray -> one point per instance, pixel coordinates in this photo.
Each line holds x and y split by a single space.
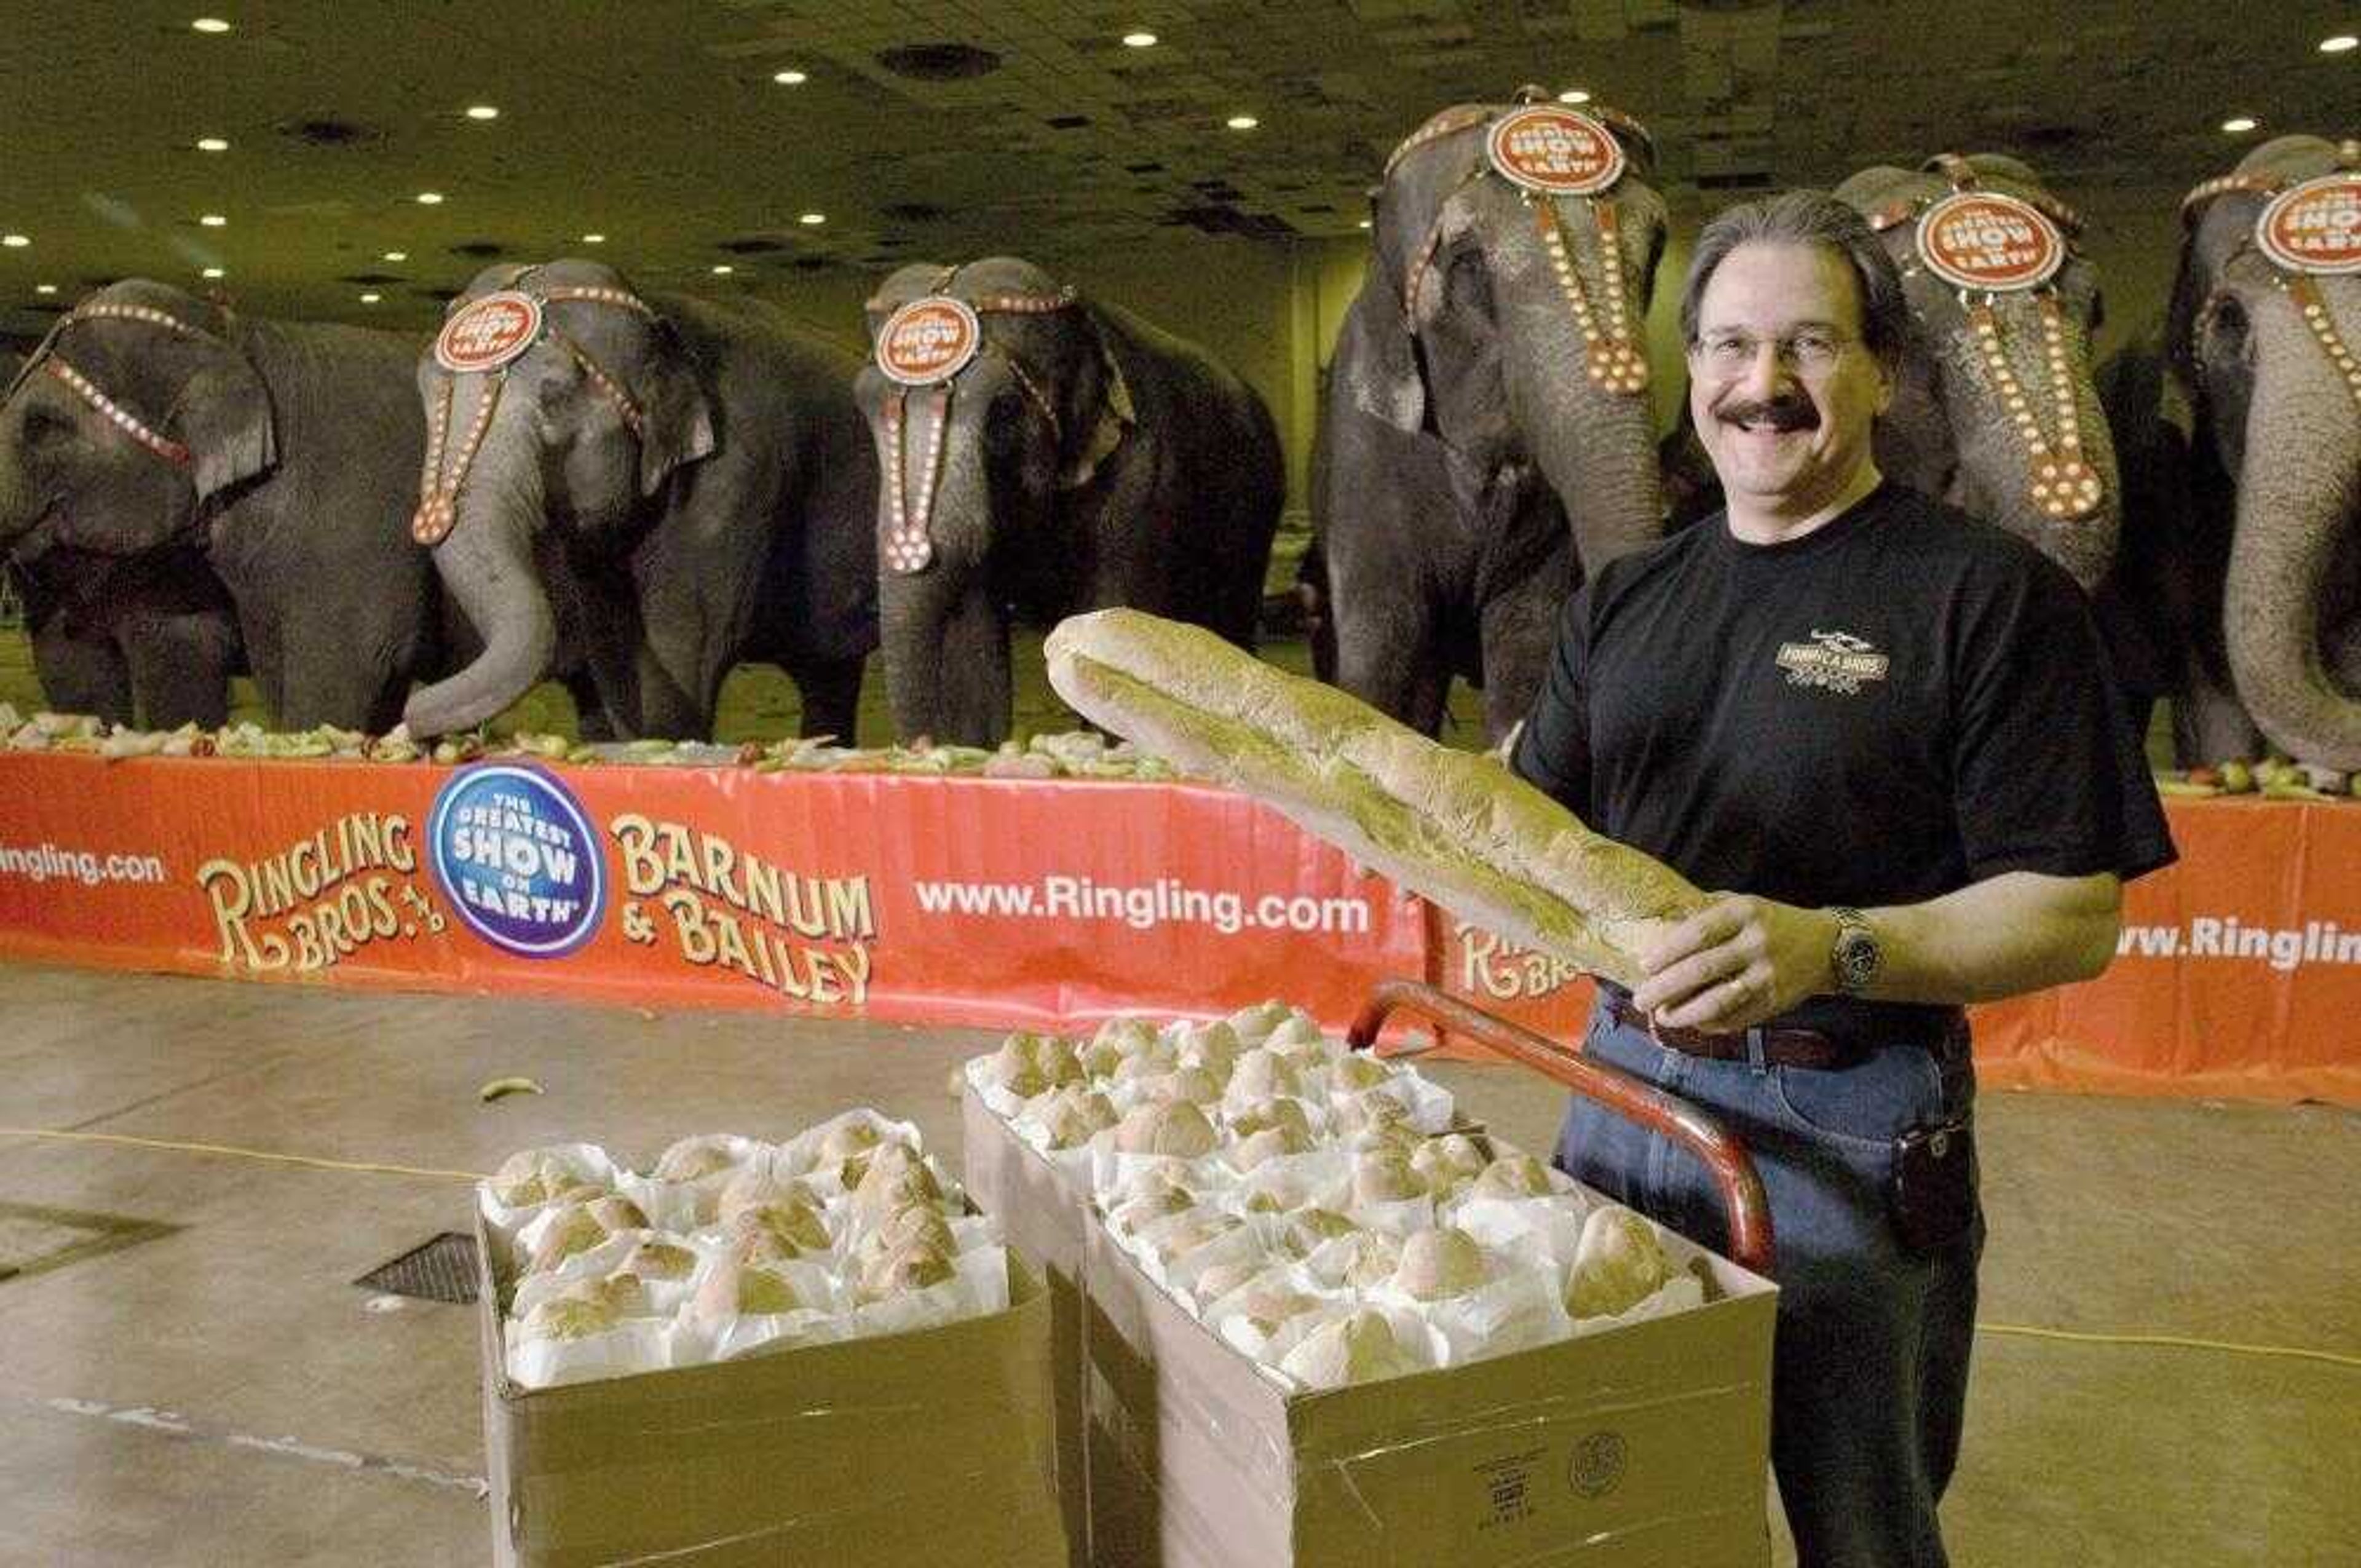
1452 826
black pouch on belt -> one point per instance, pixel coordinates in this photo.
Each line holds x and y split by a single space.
1934 1195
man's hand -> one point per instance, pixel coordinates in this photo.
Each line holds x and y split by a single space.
1735 963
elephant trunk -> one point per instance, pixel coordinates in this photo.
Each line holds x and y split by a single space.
1596 447
2015 460
487 563
2298 500
940 625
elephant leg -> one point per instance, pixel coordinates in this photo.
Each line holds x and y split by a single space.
1519 632
670 704
82 672
180 668
831 698
1390 655
591 721
1393 661
327 670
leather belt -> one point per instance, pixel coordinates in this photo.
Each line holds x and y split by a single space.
1781 1047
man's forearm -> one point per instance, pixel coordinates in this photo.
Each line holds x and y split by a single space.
2016 932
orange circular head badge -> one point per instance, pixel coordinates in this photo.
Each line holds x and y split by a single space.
928 341
1554 151
1981 239
2315 226
487 333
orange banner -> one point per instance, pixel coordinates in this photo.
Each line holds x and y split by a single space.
2237 975
1001 903
985 902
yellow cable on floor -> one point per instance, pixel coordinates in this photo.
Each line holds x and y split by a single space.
263 1154
2172 1342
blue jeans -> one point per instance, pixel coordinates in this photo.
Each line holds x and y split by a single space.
1869 1360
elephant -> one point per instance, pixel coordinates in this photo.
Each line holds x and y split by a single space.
650 490
2266 566
1995 409
1488 438
186 487
1073 458
120 640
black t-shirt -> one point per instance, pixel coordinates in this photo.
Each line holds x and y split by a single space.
1898 704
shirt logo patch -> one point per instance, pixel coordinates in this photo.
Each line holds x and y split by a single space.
1833 661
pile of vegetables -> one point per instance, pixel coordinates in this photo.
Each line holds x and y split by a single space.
1081 754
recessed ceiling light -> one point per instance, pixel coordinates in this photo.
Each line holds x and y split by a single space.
210 25
1140 40
790 77
45 288
16 241
1365 223
1241 122
594 239
1574 95
397 255
722 269
483 112
371 299
430 198
2339 44
813 218
211 272
213 144
2238 124
214 220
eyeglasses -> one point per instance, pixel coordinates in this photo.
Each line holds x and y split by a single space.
1809 351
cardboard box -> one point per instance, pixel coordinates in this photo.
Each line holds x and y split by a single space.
1635 1448
1047 1218
1640 1447
871 1453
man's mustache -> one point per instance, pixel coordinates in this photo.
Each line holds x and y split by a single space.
1780 413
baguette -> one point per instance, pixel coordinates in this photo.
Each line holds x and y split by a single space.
1452 826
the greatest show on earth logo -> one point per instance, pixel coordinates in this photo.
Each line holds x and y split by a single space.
517 857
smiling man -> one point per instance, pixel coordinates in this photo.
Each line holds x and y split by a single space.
1886 734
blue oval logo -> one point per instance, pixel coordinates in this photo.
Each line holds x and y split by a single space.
517 857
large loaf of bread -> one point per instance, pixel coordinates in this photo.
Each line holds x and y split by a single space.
1452 826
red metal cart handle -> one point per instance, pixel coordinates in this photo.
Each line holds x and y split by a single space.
1733 1170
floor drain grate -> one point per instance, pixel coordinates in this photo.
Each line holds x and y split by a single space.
34 1239
442 1269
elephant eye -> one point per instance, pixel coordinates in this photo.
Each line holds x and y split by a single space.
46 427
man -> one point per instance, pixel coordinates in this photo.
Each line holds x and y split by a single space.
1887 733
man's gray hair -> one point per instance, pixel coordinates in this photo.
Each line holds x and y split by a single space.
1807 218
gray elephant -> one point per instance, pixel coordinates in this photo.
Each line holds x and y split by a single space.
149 639
2265 351
1045 454
1995 409
1488 436
158 452
641 490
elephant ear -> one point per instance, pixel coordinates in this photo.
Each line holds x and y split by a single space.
224 419
1382 372
676 417
1115 412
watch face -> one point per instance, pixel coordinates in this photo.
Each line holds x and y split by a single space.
1856 959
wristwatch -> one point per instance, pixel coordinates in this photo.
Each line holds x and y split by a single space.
1854 958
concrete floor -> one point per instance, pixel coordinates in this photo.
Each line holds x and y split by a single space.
222 1395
